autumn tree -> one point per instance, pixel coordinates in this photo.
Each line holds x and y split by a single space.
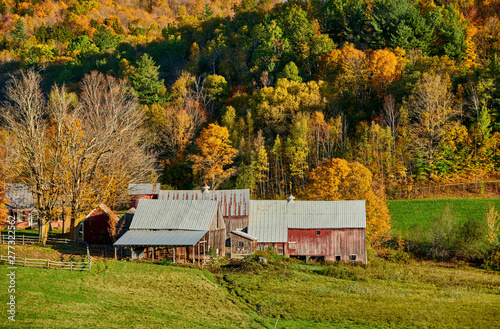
341 180
216 154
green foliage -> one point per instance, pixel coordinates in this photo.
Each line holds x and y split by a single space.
83 45
146 83
492 261
19 31
290 72
105 40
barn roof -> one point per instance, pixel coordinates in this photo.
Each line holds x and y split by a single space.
233 203
19 196
138 189
160 238
244 235
174 215
270 219
102 207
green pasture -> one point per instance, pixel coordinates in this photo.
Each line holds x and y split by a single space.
124 294
407 213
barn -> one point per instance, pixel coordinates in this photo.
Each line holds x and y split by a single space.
99 226
234 203
181 230
142 191
324 230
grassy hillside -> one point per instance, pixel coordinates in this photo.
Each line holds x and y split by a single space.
119 294
407 213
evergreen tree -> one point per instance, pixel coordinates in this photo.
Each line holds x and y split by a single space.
19 31
146 83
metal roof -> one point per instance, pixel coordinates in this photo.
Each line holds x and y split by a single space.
174 215
138 189
19 196
234 203
270 219
244 235
160 238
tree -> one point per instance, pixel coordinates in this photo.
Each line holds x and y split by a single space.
105 39
19 31
146 83
290 72
341 180
216 153
431 104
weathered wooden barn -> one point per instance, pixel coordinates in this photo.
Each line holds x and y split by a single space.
234 203
242 244
181 230
142 191
124 223
99 226
329 230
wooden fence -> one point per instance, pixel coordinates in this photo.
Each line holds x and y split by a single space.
30 239
47 263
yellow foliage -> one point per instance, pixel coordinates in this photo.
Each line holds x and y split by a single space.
215 153
492 221
384 69
341 180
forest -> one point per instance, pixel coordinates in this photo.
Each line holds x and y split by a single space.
259 94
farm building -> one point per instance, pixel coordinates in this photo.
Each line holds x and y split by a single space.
242 244
124 222
142 191
20 205
185 230
330 230
234 204
99 226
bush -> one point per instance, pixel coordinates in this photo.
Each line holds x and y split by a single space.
166 262
492 261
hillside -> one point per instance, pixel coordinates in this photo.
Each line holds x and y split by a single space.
248 294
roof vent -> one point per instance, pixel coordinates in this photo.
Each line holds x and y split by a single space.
291 198
205 188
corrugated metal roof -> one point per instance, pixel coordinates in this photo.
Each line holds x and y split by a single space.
244 235
160 238
233 203
19 196
270 220
138 189
174 215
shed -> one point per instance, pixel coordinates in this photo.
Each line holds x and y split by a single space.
142 191
124 222
20 204
242 244
330 230
181 229
99 226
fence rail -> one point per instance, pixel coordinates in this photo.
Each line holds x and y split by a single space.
30 239
465 189
46 263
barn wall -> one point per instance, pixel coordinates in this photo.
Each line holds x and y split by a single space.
95 228
234 223
134 201
329 243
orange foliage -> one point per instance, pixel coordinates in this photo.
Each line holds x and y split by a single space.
384 69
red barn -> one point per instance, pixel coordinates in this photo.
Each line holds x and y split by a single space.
100 225
328 230
142 191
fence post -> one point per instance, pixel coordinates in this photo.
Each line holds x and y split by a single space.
48 263
71 266
23 238
24 261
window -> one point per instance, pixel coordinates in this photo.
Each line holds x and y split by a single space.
318 233
292 245
352 257
241 244
337 258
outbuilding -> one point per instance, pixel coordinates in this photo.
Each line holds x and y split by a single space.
99 226
142 191
325 230
181 230
242 244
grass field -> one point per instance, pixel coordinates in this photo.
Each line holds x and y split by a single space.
121 294
407 213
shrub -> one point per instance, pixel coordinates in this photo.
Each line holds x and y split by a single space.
492 261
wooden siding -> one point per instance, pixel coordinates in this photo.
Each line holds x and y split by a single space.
248 248
96 228
235 223
330 243
216 236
